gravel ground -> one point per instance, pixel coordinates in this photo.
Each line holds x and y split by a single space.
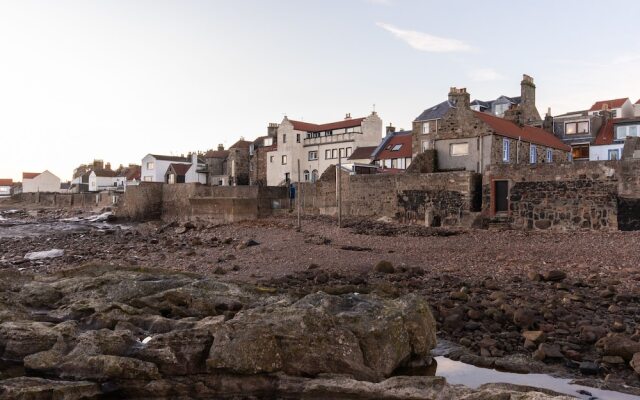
487 288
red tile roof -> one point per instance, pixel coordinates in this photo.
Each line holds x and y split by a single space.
241 144
616 103
6 182
308 127
180 169
403 140
605 135
30 175
529 134
362 152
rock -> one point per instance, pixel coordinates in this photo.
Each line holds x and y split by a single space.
524 318
589 368
534 276
554 276
21 338
219 271
247 243
534 336
618 345
41 389
635 363
546 350
359 335
461 296
385 267
41 255
613 360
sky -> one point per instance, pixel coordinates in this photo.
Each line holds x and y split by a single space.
116 80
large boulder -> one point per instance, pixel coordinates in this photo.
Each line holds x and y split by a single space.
618 345
361 335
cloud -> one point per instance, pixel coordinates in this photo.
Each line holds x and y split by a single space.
485 75
425 42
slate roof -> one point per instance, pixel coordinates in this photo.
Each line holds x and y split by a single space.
529 134
615 103
500 100
170 158
402 139
436 112
362 152
309 127
6 182
180 169
30 175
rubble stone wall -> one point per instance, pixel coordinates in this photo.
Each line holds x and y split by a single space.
69 200
602 195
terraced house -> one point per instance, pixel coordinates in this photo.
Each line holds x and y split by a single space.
472 140
317 146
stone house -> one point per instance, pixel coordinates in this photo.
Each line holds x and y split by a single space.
472 140
429 122
258 155
33 182
105 179
228 167
317 146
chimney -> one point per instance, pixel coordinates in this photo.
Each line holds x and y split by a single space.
98 164
547 124
459 98
528 100
348 116
220 147
272 129
107 166
390 129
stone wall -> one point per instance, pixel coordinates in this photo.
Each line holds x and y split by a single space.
69 200
447 198
583 195
192 201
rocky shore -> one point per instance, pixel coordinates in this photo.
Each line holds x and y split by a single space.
167 310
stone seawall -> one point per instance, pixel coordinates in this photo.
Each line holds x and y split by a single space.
601 195
69 200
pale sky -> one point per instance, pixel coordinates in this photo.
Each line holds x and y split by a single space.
115 80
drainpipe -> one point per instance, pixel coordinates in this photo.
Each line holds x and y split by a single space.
518 150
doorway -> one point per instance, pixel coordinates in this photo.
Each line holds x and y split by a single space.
501 196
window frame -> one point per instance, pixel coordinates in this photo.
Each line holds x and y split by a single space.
426 129
533 154
284 159
549 155
151 165
453 145
610 151
313 155
506 150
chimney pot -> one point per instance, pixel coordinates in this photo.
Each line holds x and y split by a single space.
348 116
220 147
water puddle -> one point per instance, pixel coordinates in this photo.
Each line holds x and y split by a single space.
14 227
459 373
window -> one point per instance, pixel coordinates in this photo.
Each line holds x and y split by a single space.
425 145
459 149
533 154
500 109
305 174
151 165
506 146
626 130
287 177
425 128
341 153
348 151
327 154
148 178
284 138
614 154
572 128
334 153
396 147
387 163
549 155
614 113
314 175
401 163
313 155
297 138
394 163
580 152
271 159
284 160
268 142
633 130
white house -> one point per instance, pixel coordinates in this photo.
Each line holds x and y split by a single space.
100 180
610 140
620 108
155 167
318 146
5 187
33 182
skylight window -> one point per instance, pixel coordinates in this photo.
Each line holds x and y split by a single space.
396 147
